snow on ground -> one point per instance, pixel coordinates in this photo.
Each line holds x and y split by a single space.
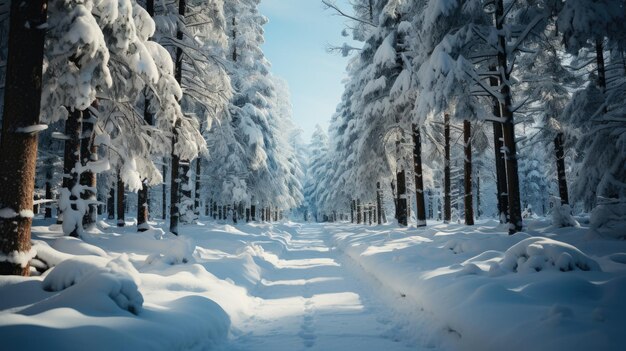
336 286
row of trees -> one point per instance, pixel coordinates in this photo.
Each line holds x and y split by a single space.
528 95
131 94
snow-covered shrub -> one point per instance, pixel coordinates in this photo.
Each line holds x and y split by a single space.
610 216
562 216
537 254
179 252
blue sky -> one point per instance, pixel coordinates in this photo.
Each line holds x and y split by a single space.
296 38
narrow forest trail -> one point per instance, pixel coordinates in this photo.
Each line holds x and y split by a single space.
310 300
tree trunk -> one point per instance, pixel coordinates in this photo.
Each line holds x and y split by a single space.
196 199
352 209
601 66
498 146
164 192
121 220
447 208
560 167
478 211
469 198
143 194
508 127
175 176
111 203
419 179
253 212
71 158
48 210
18 148
142 208
402 200
379 203
358 211
88 153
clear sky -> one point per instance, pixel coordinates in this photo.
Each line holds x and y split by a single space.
296 38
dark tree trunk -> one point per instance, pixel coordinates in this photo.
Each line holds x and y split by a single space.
253 212
402 200
196 199
447 206
175 176
478 211
352 209
48 210
560 167
469 199
111 203
419 180
379 203
508 127
498 146
164 192
143 194
88 178
142 208
121 220
601 66
358 211
71 158
18 148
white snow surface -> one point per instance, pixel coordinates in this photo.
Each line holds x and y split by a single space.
290 286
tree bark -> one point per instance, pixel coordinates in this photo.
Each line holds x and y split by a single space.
601 65
560 167
402 200
111 203
71 158
508 127
447 208
164 192
88 153
142 208
478 211
419 179
121 220
467 179
379 203
18 148
498 146
196 199
358 211
175 171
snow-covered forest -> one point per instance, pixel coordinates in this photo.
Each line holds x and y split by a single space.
158 194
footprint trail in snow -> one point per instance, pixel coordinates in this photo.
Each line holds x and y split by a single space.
310 301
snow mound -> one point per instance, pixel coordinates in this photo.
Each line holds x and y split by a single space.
539 254
76 246
180 251
72 271
608 217
115 280
562 216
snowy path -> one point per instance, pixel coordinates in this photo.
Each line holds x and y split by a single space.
310 300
